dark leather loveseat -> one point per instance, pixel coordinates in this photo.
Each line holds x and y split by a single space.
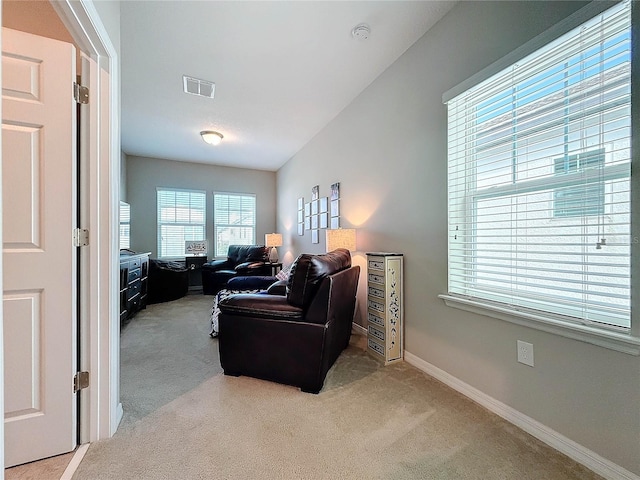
242 260
293 338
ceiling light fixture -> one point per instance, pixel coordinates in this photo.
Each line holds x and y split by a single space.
211 137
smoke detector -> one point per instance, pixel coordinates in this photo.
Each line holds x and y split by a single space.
196 86
361 31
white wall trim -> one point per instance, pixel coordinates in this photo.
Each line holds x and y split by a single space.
102 344
577 452
360 330
1 289
613 340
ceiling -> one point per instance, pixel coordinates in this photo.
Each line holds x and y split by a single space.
282 71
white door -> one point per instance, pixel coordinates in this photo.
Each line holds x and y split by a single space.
39 198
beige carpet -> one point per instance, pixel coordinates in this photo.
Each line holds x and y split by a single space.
185 420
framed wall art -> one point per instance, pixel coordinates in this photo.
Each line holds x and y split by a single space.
335 206
324 220
335 191
301 216
319 212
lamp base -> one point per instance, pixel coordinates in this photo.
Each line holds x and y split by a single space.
273 255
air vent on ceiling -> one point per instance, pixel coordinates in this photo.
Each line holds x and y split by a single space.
195 86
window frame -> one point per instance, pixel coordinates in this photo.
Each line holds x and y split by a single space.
629 340
560 207
160 223
216 254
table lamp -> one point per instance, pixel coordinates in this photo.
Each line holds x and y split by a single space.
273 240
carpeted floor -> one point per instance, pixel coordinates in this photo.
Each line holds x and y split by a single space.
185 420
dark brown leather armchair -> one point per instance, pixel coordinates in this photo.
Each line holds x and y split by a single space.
242 260
294 338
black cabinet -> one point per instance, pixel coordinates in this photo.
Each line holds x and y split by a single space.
194 265
134 280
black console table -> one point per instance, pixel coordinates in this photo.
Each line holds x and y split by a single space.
134 275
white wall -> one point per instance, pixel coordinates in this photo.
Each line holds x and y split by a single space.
145 174
388 151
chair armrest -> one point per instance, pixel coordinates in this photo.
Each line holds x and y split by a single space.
258 305
249 266
216 265
278 288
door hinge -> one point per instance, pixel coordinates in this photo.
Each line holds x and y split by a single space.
80 93
80 381
80 237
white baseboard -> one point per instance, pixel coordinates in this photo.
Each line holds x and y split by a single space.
359 329
577 452
119 415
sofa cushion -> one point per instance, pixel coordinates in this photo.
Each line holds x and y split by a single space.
247 253
253 282
309 270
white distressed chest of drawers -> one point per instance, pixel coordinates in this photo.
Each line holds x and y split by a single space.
385 306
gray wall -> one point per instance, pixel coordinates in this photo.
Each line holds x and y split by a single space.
145 174
388 151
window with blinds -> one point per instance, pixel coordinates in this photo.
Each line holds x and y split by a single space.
539 180
181 217
234 221
125 225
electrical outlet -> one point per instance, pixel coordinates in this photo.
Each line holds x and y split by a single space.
525 353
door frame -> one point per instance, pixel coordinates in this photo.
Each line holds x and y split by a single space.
101 410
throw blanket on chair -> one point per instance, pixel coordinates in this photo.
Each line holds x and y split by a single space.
215 311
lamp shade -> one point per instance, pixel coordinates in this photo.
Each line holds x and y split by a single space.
211 137
273 240
341 238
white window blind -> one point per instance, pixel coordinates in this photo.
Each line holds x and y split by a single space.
125 225
181 217
539 179
234 219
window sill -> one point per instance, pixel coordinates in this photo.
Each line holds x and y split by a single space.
619 342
